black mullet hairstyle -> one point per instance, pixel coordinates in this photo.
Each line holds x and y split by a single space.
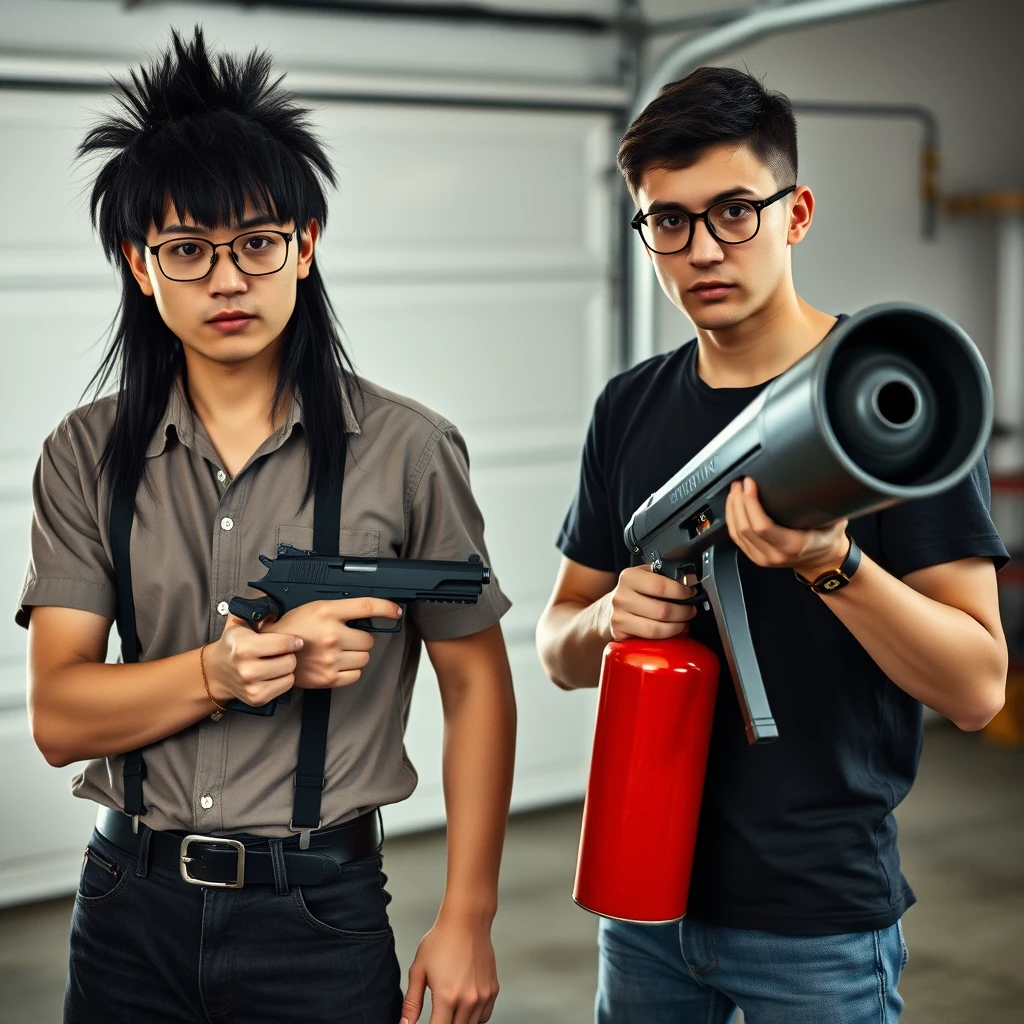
211 134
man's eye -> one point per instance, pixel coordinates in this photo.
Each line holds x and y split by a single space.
187 249
736 211
259 243
671 222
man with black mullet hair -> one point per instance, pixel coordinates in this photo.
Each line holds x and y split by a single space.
796 893
235 869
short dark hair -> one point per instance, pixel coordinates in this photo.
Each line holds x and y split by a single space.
711 106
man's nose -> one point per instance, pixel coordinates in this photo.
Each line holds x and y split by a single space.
225 277
704 247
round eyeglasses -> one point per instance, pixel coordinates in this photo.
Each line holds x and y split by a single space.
255 253
670 229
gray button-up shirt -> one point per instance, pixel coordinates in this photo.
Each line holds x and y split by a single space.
195 543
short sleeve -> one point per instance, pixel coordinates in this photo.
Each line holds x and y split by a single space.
589 535
68 565
445 523
951 526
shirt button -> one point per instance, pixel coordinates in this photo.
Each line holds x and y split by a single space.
206 802
222 608
221 475
227 523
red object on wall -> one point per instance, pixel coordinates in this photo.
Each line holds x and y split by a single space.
651 739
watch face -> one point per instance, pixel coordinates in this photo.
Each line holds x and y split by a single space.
833 581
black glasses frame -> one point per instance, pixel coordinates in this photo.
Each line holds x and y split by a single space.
639 219
286 235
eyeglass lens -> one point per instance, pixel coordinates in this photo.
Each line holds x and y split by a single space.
188 259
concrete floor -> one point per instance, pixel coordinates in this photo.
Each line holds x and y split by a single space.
962 837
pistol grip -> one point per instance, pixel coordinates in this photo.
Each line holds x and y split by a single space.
252 610
265 709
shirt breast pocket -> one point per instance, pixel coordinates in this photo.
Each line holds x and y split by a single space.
364 543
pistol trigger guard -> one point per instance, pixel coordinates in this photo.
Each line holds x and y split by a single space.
367 626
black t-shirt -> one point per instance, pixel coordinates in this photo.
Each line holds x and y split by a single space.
796 836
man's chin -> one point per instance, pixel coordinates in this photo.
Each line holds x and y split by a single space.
232 350
722 317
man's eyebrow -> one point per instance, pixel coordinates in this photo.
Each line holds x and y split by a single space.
739 192
195 229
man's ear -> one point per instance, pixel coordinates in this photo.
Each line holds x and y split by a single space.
306 246
800 215
137 262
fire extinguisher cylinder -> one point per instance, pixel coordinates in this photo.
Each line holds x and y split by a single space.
653 728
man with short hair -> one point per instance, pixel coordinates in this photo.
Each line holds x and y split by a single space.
796 893
235 870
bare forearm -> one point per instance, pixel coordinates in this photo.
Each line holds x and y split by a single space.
571 639
938 654
95 710
478 761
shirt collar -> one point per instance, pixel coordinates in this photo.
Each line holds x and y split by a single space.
179 415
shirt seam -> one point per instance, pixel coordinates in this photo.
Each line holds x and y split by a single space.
436 423
943 545
420 469
65 579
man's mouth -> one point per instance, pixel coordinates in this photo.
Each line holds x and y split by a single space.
711 290
231 320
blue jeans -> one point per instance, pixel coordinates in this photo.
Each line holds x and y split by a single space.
148 948
693 973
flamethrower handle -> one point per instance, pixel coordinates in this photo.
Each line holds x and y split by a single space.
721 580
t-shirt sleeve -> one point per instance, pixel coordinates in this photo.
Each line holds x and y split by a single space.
445 523
590 535
951 526
68 564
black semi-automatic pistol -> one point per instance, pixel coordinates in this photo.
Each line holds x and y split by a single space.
297 577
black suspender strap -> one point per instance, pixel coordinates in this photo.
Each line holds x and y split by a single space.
122 514
316 704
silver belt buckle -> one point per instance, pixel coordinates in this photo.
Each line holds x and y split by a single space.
184 860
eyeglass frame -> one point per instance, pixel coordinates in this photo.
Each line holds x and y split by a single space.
286 235
639 217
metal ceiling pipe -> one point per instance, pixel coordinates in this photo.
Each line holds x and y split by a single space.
458 12
689 55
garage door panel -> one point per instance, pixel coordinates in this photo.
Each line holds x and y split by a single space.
513 365
429 193
45 235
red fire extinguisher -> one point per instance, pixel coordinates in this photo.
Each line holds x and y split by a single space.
653 730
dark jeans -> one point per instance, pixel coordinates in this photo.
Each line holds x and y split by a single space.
148 948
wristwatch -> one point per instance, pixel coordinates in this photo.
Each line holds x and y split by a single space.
835 579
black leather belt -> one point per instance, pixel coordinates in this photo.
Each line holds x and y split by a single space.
231 862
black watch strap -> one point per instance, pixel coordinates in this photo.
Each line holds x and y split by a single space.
835 579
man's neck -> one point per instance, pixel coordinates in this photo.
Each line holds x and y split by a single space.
234 403
764 345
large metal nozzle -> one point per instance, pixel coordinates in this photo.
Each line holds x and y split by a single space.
907 397
895 404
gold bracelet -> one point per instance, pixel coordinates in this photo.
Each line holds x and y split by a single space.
219 713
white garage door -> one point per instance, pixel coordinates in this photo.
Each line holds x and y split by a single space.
467 255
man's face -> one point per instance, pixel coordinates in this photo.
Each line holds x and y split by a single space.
719 285
227 316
